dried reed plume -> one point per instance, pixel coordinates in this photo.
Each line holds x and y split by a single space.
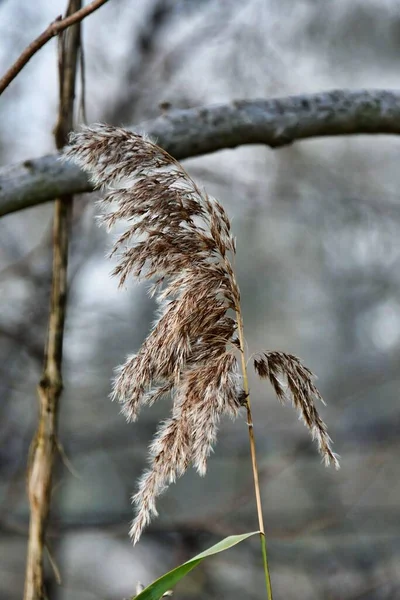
270 365
181 239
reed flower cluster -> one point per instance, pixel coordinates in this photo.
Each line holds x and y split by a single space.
180 239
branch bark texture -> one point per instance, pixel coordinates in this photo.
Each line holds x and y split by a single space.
193 132
44 447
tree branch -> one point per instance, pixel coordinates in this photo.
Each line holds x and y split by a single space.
51 31
192 132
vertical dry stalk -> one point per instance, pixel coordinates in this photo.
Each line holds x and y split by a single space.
44 445
180 238
253 455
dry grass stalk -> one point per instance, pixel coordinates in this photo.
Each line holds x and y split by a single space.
179 237
44 445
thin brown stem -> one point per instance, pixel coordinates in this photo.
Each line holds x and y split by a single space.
56 27
44 446
253 453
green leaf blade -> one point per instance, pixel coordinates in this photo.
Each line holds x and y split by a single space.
156 589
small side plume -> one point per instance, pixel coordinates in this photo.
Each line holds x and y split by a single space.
302 391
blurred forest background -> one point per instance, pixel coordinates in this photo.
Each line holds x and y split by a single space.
318 235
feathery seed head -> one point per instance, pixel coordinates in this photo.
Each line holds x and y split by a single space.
272 365
180 239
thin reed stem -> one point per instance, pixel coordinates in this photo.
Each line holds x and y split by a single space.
44 446
239 320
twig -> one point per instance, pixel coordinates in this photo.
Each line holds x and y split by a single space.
275 122
44 447
56 27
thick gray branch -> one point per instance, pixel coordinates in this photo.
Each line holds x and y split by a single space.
196 131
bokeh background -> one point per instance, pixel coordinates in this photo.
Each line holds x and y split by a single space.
318 235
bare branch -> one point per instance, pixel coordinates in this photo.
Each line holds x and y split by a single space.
40 472
196 131
56 27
